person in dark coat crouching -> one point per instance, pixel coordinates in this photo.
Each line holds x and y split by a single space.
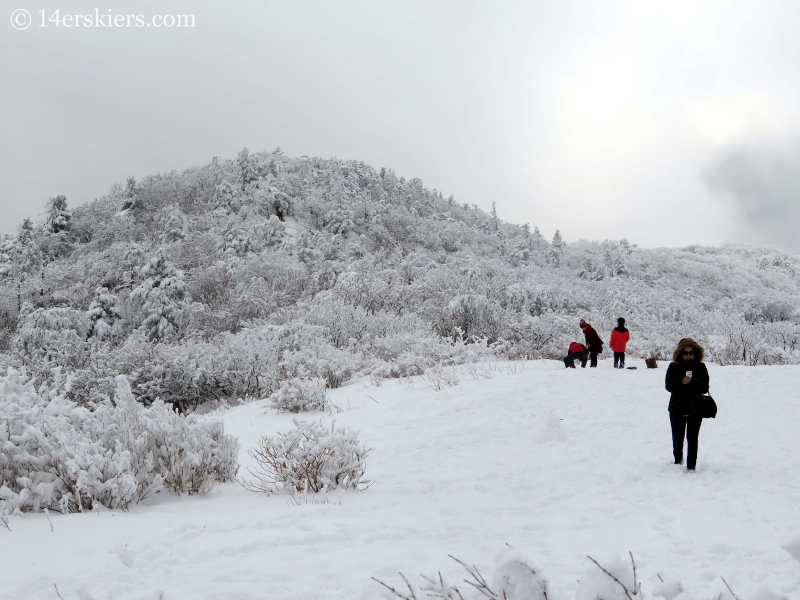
593 342
578 351
687 380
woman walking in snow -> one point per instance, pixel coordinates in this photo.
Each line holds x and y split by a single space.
687 380
619 339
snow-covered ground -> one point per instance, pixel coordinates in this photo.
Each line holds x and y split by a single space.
463 471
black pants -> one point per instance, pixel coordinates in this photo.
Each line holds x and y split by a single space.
593 356
619 360
569 359
689 428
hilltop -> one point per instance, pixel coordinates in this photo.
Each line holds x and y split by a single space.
225 280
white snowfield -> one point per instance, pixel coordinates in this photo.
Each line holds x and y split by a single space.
558 463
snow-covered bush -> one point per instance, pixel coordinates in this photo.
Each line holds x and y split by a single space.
310 457
334 365
53 335
300 395
516 578
471 316
56 454
614 580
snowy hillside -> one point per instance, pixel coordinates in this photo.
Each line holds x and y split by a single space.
193 287
558 463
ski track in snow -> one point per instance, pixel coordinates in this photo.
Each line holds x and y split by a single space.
463 471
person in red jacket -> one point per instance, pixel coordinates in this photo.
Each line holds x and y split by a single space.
619 339
593 342
576 350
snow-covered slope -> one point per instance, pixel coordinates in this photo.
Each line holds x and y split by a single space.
558 463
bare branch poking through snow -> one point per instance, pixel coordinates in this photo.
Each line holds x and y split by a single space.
4 516
514 578
729 589
631 595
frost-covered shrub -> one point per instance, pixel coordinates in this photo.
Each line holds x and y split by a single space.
515 577
51 335
300 395
311 457
56 454
230 366
471 316
614 580
408 364
334 365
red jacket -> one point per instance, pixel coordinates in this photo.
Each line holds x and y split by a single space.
619 339
576 348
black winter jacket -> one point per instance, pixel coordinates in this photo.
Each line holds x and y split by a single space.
593 341
683 397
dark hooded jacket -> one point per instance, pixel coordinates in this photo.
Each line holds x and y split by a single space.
683 398
593 341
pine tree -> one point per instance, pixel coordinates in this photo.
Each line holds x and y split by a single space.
226 196
521 252
174 225
248 169
103 314
131 196
58 215
162 294
537 241
495 225
557 249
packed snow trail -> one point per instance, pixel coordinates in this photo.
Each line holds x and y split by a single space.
559 463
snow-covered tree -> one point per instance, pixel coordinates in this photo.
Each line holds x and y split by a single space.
58 215
175 225
537 241
161 294
103 314
248 168
226 197
556 253
131 199
25 251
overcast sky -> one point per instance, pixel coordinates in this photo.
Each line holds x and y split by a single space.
668 123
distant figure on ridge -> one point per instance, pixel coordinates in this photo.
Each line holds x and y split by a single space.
619 339
576 350
593 342
687 380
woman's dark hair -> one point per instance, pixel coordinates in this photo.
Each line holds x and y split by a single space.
699 352
621 322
